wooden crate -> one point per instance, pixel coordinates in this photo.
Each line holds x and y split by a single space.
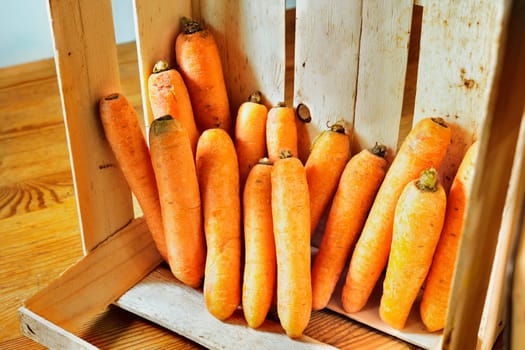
351 61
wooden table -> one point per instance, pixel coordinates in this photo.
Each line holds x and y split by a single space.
39 225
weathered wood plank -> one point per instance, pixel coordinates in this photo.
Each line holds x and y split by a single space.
505 98
251 40
87 68
48 334
457 52
327 38
383 58
99 278
181 309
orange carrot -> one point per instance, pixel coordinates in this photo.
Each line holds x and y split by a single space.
418 220
218 175
124 134
281 131
291 226
260 265
303 135
180 201
434 303
200 65
168 95
250 134
329 154
424 147
356 190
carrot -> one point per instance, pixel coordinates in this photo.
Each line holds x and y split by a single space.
435 299
199 63
418 220
218 175
329 154
174 166
281 131
291 226
303 135
124 135
355 193
250 134
424 147
168 95
260 265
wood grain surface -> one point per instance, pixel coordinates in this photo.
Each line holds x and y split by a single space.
40 229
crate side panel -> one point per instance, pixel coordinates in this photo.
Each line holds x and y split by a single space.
327 38
87 70
98 279
383 59
251 40
498 135
455 60
495 303
157 23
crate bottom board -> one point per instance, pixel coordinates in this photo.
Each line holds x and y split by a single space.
162 299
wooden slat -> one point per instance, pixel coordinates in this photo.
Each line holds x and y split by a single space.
383 58
251 38
87 70
327 36
497 294
457 53
498 137
97 279
157 23
181 309
48 334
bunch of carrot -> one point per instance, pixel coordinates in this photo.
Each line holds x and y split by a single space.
232 203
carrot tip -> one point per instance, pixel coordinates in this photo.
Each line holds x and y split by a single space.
160 66
336 127
379 150
265 161
286 154
160 125
440 121
113 96
303 113
190 26
255 97
428 180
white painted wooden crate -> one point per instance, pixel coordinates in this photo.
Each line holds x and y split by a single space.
351 61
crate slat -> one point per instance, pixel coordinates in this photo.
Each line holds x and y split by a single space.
327 35
499 137
87 69
49 334
497 294
181 309
250 60
99 278
383 58
455 70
